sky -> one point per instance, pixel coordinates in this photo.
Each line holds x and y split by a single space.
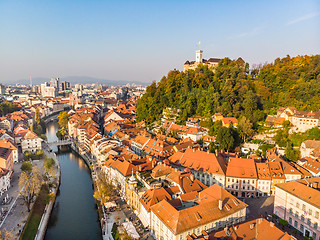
144 40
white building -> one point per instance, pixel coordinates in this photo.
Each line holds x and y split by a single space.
31 142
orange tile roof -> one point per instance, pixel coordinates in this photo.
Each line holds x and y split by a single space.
303 190
254 229
242 168
153 196
200 161
263 171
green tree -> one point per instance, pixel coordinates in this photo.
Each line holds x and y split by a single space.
292 154
227 138
26 167
245 128
282 137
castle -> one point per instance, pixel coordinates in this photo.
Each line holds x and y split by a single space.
211 62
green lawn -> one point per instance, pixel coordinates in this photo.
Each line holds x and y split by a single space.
31 228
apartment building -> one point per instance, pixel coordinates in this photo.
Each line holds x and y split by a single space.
298 203
241 177
214 208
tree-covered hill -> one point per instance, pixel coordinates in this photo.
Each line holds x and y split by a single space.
232 91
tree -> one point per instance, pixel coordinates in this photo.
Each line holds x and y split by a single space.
29 185
6 235
292 154
104 188
63 119
215 127
227 138
281 138
26 167
48 165
37 117
245 127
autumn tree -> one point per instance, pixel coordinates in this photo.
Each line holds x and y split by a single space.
63 119
48 165
29 185
104 188
37 117
6 235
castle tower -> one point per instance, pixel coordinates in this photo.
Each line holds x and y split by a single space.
199 56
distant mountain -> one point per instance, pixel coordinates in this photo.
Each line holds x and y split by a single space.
77 79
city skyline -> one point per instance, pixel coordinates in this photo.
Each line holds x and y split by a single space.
142 41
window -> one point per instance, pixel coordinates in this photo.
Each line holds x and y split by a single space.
309 221
301 227
298 205
302 218
317 215
310 212
303 207
314 235
297 214
290 210
315 226
295 224
290 220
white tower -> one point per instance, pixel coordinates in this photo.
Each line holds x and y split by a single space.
199 56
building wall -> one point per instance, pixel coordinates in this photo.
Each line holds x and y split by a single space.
263 187
4 183
301 215
31 145
7 163
242 187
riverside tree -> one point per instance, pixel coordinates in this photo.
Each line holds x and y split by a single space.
63 119
29 185
48 165
104 188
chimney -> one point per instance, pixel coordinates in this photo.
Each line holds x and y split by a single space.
216 152
140 168
193 150
271 224
208 152
152 164
220 204
251 226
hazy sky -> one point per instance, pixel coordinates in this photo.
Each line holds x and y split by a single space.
142 40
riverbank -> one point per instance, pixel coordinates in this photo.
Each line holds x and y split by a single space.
48 209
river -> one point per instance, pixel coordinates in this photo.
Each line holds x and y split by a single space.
74 215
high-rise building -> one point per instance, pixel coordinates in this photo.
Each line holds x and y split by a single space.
63 86
2 89
54 82
48 91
